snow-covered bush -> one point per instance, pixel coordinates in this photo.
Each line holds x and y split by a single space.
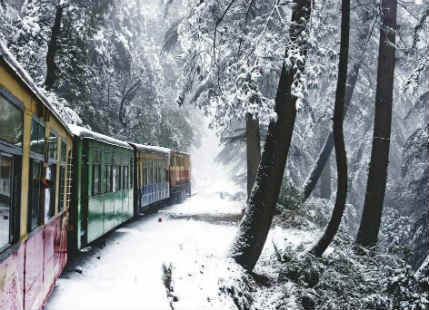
293 213
290 197
346 280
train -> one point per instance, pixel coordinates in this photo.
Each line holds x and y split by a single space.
64 186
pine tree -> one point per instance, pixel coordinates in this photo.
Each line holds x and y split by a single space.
255 224
377 175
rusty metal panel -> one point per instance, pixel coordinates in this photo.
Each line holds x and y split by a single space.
34 270
11 282
49 261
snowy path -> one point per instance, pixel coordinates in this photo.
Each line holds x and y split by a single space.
123 271
126 272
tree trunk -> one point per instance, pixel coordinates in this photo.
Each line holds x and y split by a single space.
128 95
325 177
340 150
51 66
258 215
328 146
377 175
253 150
325 181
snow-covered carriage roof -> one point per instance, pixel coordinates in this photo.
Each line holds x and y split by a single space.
151 148
88 134
180 153
26 79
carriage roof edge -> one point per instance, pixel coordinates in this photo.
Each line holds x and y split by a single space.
85 133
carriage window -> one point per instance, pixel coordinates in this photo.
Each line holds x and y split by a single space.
103 179
158 174
49 183
126 179
131 175
63 151
5 200
108 178
114 178
95 179
123 185
37 143
34 196
53 145
119 178
11 122
138 175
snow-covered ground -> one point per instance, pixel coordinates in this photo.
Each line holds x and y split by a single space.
126 272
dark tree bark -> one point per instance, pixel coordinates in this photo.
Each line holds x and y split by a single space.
325 178
340 150
377 175
253 145
53 46
325 181
258 215
328 146
128 95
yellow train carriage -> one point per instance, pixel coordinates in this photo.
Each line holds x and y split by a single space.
35 156
151 180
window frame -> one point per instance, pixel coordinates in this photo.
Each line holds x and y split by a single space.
5 145
96 166
48 155
108 178
41 207
39 156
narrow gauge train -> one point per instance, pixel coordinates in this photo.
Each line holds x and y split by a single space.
35 153
62 187
114 181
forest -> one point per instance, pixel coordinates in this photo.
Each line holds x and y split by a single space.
322 112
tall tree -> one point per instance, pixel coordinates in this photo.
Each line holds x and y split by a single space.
340 150
377 175
352 78
53 46
258 215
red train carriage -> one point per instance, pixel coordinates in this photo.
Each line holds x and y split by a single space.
35 152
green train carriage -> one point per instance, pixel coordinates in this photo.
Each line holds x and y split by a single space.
103 177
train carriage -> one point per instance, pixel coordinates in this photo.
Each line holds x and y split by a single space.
35 156
103 195
62 187
180 175
151 177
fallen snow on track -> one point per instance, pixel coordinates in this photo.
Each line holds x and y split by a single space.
123 271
